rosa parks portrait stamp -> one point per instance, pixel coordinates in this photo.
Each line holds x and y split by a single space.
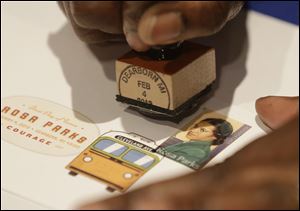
202 139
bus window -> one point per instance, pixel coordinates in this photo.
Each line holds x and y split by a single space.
110 147
138 158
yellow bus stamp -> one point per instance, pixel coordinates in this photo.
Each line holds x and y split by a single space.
118 159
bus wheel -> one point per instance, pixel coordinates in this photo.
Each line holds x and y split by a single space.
72 173
110 189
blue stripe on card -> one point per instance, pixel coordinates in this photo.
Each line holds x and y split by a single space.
284 10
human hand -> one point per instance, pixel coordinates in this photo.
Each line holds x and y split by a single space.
95 21
147 23
276 111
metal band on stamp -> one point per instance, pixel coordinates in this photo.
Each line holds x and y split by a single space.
144 85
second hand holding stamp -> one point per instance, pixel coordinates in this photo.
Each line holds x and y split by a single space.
166 83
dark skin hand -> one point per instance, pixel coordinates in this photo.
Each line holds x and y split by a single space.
147 23
263 175
276 111
95 22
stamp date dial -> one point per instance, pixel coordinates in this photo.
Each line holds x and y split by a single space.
144 85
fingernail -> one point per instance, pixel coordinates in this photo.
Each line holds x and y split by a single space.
135 42
163 28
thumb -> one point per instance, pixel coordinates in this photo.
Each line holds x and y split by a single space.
275 111
170 22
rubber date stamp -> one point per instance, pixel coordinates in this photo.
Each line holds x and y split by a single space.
166 87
